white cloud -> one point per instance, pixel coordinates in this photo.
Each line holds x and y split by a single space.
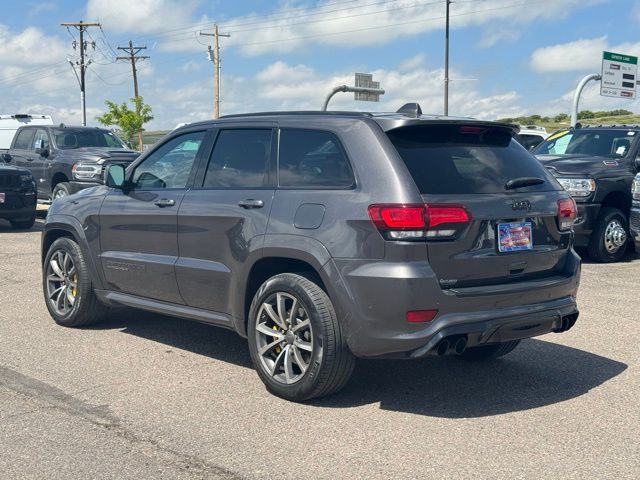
412 63
40 8
578 55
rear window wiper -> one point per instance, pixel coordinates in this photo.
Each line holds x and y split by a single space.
523 182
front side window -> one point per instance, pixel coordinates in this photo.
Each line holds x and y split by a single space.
41 139
240 159
312 159
24 140
170 165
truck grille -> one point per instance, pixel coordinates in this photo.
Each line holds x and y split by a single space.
9 182
635 221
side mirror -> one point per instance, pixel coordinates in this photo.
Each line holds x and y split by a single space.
114 176
6 158
41 149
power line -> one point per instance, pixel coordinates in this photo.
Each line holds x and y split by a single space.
214 55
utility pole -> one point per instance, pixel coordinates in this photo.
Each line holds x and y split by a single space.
214 56
133 57
82 26
446 61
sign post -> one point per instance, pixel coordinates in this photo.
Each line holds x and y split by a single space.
619 73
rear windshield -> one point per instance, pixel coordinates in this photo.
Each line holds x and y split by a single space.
461 160
69 138
602 143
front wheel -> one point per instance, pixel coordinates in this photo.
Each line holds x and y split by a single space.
489 352
67 286
62 189
295 341
608 242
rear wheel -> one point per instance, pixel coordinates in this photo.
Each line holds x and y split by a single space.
608 242
295 340
24 224
489 352
68 290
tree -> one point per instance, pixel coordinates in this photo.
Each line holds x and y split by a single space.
561 117
130 122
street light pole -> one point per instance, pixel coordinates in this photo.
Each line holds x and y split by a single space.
446 61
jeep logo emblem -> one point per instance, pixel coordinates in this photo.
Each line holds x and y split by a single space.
521 205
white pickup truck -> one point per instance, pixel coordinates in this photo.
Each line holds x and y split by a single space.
9 124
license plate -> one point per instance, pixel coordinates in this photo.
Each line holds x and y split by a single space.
514 237
1 197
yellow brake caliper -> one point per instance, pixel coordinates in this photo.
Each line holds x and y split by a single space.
74 290
278 349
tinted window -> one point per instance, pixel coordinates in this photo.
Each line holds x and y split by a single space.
528 141
68 138
41 135
459 160
311 158
170 165
240 159
605 143
24 140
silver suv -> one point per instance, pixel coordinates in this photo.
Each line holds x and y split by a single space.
325 236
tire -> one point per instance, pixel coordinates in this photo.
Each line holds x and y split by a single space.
79 309
329 362
489 352
603 244
23 224
61 189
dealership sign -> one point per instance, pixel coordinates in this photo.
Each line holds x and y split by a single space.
619 73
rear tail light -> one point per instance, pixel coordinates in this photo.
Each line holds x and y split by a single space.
567 213
419 221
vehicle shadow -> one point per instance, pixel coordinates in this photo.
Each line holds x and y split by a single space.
5 227
536 374
629 256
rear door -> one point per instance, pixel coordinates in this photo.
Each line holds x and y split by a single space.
138 226
224 219
21 153
512 233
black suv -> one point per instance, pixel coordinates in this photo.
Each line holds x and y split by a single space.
66 159
596 165
325 236
17 196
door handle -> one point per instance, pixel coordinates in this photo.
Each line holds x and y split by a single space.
251 203
165 202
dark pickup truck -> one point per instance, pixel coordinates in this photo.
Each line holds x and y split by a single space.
596 165
66 159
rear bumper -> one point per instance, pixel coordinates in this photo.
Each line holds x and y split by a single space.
377 296
585 223
18 206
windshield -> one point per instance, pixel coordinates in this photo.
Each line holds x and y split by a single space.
68 138
603 143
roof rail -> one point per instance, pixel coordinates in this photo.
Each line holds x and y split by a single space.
299 112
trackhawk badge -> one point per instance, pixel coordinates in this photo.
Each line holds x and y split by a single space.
521 205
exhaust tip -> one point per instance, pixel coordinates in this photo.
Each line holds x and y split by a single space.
460 346
442 347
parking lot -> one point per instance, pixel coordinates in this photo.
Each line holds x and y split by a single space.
155 397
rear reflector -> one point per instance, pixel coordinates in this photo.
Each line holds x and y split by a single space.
419 221
421 316
567 213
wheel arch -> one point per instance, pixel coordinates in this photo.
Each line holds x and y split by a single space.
618 199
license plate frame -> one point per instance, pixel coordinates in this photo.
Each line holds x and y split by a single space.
514 237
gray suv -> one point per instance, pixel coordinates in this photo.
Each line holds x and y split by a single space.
325 236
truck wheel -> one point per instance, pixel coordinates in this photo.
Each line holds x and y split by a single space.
67 286
489 352
608 242
23 224
295 340
62 189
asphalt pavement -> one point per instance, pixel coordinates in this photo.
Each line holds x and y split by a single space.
146 396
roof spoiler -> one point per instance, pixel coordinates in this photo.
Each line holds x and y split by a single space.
410 110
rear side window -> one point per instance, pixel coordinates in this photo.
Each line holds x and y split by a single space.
312 159
240 159
24 140
465 159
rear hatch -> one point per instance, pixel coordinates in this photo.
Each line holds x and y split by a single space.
492 209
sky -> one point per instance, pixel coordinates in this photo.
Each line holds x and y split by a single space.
507 57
